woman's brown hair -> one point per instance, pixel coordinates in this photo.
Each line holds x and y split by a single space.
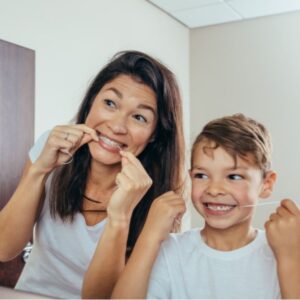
163 158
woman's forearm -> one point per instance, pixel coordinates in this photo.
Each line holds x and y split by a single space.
108 261
133 282
17 218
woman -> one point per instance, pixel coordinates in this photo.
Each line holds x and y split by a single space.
88 187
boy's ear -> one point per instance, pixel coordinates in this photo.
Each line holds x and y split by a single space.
268 183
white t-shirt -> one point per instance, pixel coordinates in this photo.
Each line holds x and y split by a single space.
187 268
61 250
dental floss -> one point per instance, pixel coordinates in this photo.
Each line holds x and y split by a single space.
65 151
261 204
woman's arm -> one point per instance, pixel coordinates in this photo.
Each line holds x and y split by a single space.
133 282
109 258
108 261
18 217
283 233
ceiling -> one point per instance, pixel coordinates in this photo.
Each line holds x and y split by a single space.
199 13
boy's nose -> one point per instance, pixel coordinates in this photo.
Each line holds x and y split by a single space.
215 189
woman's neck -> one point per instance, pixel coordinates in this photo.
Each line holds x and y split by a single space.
228 239
102 177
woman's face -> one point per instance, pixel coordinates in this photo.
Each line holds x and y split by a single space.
124 115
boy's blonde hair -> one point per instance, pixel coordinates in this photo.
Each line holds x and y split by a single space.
239 136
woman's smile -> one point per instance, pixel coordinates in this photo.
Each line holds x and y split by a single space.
109 144
124 115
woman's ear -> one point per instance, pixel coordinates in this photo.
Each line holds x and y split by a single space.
268 183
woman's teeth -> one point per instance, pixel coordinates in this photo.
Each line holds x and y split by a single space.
109 142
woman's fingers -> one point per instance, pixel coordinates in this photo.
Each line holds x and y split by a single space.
132 159
135 171
62 143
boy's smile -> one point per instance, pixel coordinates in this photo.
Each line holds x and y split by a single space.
220 186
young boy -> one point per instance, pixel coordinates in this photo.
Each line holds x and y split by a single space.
228 258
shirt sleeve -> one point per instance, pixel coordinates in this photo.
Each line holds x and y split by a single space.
37 148
159 283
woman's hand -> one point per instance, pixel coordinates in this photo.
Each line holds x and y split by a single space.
283 231
62 143
132 182
165 213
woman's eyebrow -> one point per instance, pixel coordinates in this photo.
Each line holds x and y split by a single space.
140 106
116 91
148 107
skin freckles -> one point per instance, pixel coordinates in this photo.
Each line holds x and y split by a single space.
124 115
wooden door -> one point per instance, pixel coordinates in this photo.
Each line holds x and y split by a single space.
17 77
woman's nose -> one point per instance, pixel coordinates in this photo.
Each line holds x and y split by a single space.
118 125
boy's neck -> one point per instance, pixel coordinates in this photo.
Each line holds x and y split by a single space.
228 239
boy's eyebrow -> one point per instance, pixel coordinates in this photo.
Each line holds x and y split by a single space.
237 168
197 167
229 168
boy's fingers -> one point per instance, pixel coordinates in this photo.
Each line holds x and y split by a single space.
282 211
291 206
273 217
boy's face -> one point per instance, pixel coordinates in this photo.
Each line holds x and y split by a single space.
220 187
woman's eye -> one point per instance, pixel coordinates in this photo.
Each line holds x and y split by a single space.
140 118
110 103
235 177
200 176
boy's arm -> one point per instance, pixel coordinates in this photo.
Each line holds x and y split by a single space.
133 282
283 233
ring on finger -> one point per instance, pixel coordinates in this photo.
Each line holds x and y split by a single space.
67 136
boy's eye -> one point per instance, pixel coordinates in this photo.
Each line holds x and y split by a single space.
140 118
235 177
110 103
200 176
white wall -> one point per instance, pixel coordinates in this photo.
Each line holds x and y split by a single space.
252 67
73 39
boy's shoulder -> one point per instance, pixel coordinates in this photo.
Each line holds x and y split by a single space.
183 239
186 242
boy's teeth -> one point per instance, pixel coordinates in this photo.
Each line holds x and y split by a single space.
219 207
110 142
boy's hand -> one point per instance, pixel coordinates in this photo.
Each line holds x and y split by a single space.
283 231
165 212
